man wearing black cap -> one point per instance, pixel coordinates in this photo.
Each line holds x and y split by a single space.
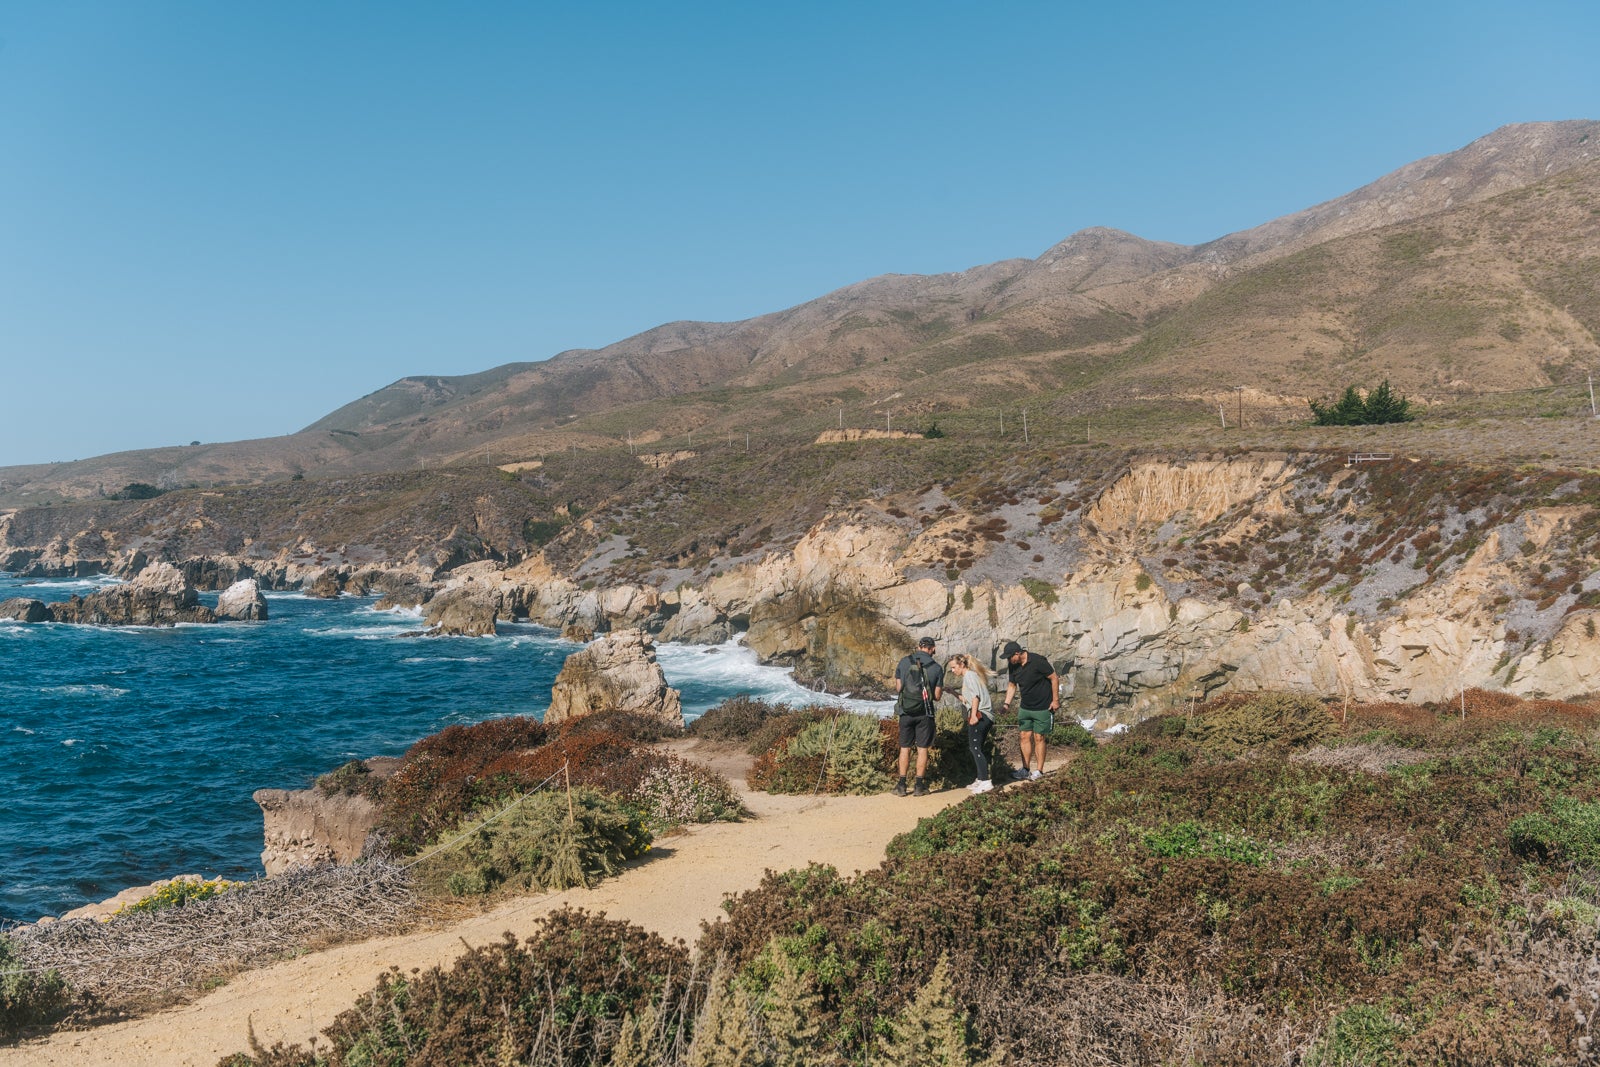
919 680
1032 680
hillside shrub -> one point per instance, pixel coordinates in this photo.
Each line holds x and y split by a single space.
783 725
735 720
674 792
551 840
28 998
1288 719
560 997
841 752
445 776
354 778
632 725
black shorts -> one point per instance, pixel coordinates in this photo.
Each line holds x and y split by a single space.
916 731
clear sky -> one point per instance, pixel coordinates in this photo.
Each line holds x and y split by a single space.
222 220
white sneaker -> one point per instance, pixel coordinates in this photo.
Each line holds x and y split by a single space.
980 787
1034 777
1020 773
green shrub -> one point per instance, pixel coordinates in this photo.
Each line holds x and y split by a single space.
735 720
1071 733
551 840
1189 839
350 779
674 792
1041 590
27 998
1289 719
839 754
560 997
1568 833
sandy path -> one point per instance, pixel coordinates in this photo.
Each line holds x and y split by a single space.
682 883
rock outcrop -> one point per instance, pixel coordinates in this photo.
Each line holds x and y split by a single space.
304 827
462 612
242 601
21 609
618 672
158 596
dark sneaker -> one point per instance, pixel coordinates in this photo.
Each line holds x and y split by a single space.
900 788
921 790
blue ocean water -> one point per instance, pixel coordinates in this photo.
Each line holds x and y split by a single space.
129 754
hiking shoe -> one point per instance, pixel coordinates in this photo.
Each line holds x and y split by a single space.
1020 773
900 788
1034 777
922 788
981 786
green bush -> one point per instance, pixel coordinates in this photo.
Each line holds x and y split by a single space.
735 720
27 998
1568 833
847 748
1071 733
551 840
559 997
1289 719
674 792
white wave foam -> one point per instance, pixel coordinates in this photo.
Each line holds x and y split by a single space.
408 613
22 730
69 742
1120 728
97 581
722 670
107 691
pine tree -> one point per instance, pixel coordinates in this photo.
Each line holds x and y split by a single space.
1348 410
1383 406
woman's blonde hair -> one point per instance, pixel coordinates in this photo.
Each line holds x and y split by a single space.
969 663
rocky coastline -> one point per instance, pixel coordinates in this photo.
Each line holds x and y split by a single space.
1496 597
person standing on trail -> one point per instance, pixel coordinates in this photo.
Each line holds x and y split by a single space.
975 701
1034 683
919 681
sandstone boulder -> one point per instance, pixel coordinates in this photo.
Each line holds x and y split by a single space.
618 672
242 600
159 596
304 827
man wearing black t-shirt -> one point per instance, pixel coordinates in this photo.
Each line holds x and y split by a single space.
1032 680
919 681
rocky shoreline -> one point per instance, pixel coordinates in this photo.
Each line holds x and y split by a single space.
1489 596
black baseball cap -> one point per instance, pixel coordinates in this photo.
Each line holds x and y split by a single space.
1011 649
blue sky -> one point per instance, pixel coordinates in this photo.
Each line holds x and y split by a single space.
222 220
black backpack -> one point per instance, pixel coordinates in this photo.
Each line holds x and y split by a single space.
918 701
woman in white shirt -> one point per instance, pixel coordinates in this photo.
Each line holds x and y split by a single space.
980 712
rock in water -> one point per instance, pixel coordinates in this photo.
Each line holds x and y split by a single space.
24 610
462 612
618 672
159 596
242 600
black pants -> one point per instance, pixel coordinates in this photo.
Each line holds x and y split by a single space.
977 734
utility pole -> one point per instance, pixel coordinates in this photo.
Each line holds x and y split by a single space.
1593 414
1024 425
1222 413
885 422
841 414
1241 405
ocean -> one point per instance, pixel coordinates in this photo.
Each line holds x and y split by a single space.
129 754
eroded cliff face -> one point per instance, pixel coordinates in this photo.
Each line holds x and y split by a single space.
1229 574
1160 580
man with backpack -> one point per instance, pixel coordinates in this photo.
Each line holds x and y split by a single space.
920 681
